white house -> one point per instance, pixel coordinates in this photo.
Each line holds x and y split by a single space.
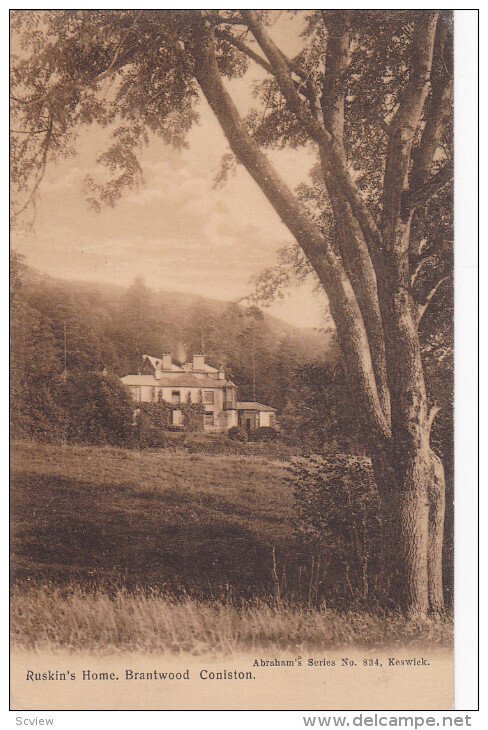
196 382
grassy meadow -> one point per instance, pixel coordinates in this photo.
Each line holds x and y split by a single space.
147 518
167 550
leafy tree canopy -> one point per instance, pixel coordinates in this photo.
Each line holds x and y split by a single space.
134 72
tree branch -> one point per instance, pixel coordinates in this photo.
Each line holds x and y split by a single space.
216 19
350 239
281 71
327 265
404 126
329 147
29 131
241 46
437 248
412 198
119 48
423 261
42 167
440 108
436 121
114 64
432 416
359 267
422 308
337 62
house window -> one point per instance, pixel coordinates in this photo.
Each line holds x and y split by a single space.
175 396
272 420
136 393
208 396
208 419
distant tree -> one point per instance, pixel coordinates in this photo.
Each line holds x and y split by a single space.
318 415
136 328
231 324
35 364
74 328
202 333
252 342
283 377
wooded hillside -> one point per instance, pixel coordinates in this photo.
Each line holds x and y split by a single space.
61 327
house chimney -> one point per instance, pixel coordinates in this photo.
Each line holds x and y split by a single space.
166 362
221 375
157 370
199 363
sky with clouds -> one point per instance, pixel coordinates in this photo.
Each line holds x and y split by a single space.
176 230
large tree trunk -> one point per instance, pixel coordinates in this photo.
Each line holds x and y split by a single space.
389 587
412 520
437 508
414 527
418 508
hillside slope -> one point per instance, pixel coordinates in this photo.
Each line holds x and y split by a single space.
307 343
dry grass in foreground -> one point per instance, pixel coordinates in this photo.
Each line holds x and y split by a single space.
49 618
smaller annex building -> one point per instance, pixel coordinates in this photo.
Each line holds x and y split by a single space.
252 415
197 382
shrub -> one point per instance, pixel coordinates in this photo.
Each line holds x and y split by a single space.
192 416
263 433
237 434
37 414
154 422
150 422
215 444
94 409
318 413
339 525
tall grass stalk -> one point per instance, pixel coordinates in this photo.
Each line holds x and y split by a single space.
49 617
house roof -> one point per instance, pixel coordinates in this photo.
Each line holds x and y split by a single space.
253 406
188 366
185 367
157 363
181 380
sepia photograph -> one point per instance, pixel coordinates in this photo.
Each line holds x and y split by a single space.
232 359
